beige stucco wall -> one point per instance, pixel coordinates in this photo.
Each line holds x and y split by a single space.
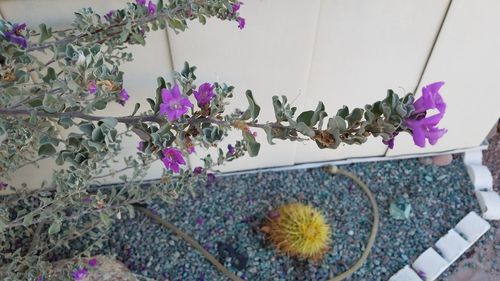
340 52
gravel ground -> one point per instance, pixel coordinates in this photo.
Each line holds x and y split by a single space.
224 217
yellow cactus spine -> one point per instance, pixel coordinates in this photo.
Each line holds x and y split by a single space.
298 230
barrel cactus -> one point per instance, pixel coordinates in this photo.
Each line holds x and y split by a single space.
298 230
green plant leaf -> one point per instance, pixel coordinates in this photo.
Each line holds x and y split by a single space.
253 109
33 117
50 76
151 103
87 128
304 129
252 145
355 116
278 109
400 209
136 108
269 134
336 124
318 113
50 103
28 219
109 122
139 38
100 104
305 117
45 33
202 19
46 150
97 135
55 227
105 218
343 112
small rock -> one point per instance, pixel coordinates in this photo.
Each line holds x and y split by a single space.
442 160
425 160
107 269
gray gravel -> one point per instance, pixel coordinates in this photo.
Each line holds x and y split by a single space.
224 217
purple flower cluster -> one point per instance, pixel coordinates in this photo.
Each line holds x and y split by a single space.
92 87
174 104
421 126
109 15
3 185
140 145
205 94
16 35
230 149
241 21
151 6
172 159
124 97
92 262
236 7
425 127
79 273
198 170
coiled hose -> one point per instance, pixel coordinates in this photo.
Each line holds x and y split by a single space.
234 277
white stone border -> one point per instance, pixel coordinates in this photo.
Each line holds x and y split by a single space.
435 260
488 199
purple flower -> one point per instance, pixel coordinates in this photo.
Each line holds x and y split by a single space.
87 200
92 262
79 273
92 87
15 35
390 142
123 97
151 8
172 158
39 278
210 178
424 127
140 145
141 2
174 105
199 221
109 15
430 99
241 22
236 7
197 170
421 274
3 185
230 149
204 94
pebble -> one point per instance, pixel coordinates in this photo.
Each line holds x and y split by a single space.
442 160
